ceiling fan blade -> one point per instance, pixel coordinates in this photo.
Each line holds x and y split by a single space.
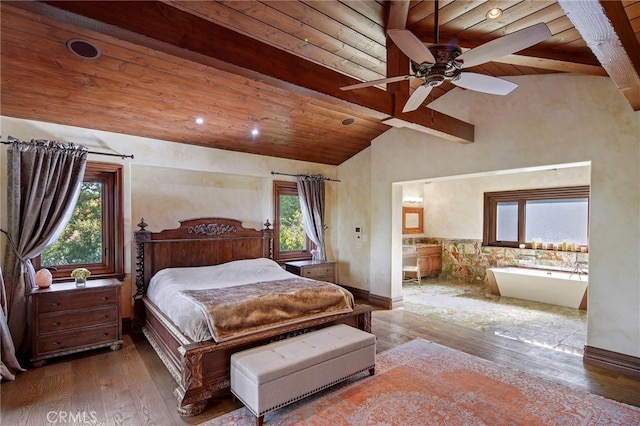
505 45
376 82
417 97
411 46
484 83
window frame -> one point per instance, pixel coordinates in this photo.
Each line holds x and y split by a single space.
112 266
281 187
491 200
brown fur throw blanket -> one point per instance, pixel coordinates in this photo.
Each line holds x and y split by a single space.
237 311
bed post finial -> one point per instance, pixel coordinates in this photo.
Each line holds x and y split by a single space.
142 224
267 240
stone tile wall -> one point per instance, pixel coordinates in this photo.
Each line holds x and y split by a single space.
467 260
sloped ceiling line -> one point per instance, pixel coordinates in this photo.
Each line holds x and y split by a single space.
167 24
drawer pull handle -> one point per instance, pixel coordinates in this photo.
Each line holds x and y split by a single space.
54 303
105 334
104 298
54 323
104 316
56 343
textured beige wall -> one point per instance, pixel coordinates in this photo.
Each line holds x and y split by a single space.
353 211
548 120
187 194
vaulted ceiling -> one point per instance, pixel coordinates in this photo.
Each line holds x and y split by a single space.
278 66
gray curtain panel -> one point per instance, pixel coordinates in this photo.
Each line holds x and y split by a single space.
9 364
44 181
311 194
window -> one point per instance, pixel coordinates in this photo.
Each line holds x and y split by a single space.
290 242
93 239
548 215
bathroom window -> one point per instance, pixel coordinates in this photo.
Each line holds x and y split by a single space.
546 215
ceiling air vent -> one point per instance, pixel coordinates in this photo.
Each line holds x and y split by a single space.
83 49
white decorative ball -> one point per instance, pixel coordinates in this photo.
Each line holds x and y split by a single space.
43 278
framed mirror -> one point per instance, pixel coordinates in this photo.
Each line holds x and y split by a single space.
412 220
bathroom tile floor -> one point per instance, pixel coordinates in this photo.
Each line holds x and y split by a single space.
550 326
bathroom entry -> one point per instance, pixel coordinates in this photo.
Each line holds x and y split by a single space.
453 216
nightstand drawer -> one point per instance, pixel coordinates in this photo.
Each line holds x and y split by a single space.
83 298
74 340
322 271
61 321
317 272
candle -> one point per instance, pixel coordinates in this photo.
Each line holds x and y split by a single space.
521 246
534 244
564 246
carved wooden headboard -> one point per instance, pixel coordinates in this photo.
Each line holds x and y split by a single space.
197 242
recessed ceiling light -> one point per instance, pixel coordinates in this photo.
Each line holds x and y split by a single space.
199 120
494 13
255 132
83 49
347 121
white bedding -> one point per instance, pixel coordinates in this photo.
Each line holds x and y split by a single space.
165 285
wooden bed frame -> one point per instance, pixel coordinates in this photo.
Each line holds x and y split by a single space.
200 369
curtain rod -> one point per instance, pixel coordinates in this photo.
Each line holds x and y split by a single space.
289 174
123 156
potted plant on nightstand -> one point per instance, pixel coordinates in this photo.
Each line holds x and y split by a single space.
80 275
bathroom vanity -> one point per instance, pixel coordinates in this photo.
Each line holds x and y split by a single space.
431 254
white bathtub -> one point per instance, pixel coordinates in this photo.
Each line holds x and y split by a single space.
556 288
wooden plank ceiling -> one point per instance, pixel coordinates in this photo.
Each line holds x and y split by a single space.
277 66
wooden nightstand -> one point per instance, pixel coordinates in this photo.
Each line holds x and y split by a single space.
66 319
321 271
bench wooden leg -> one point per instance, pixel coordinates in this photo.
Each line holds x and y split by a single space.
372 371
259 420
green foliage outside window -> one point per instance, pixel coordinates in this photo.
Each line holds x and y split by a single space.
81 241
291 235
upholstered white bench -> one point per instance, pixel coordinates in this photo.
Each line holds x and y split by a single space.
271 376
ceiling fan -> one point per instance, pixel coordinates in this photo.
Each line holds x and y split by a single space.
439 62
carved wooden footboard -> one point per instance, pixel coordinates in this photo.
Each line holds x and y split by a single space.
202 368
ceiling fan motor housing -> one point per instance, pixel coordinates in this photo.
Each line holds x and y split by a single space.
445 68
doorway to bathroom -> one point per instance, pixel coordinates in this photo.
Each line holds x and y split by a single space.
453 218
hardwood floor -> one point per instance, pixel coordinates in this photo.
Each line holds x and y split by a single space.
132 386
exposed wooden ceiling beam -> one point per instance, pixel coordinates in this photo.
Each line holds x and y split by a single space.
553 64
397 62
162 27
607 31
398 12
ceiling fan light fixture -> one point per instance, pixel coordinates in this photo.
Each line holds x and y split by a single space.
494 13
435 79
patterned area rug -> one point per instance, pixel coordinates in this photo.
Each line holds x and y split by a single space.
423 383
